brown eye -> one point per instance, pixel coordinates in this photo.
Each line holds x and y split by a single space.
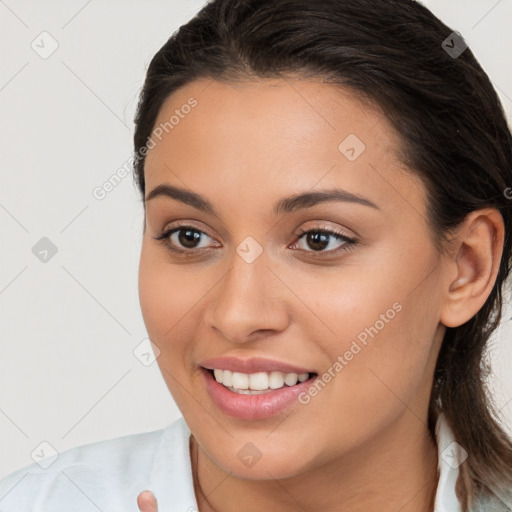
185 239
318 240
188 237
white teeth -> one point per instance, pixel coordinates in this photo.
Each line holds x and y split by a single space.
227 378
247 391
276 380
257 383
290 379
240 380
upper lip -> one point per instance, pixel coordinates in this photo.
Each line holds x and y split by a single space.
253 365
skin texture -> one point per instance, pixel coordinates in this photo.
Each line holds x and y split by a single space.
362 443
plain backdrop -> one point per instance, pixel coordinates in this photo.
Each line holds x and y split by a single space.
70 319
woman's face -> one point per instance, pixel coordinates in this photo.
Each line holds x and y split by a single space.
250 167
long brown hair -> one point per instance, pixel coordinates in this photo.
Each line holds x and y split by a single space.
454 136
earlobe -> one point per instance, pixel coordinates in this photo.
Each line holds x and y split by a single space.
476 260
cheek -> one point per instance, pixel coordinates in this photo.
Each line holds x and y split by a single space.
172 302
165 301
384 363
154 300
381 352
166 294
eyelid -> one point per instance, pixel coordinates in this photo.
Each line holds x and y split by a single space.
184 225
331 228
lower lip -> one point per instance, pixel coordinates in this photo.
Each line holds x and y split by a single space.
253 407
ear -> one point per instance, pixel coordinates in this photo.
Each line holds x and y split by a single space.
476 252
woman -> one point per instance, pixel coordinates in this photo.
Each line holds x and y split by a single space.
326 242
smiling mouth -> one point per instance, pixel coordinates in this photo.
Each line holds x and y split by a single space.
258 383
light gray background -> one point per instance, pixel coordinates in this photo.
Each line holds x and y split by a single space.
69 326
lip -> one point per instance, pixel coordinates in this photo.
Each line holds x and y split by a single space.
253 365
253 407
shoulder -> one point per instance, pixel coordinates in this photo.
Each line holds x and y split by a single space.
106 475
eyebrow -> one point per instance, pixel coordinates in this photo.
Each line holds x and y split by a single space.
285 205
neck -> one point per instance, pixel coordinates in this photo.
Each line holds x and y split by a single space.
396 471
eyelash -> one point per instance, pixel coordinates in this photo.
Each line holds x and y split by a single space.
348 245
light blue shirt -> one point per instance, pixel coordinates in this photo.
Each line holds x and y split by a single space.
107 476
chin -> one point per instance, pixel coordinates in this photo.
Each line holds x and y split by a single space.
258 461
267 468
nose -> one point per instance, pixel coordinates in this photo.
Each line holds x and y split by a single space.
248 303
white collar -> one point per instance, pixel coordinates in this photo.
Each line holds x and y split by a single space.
450 456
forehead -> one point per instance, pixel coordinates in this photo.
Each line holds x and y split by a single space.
279 135
273 113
